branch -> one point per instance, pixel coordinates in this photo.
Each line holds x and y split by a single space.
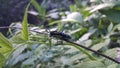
4 27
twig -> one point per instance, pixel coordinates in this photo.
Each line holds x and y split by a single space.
4 27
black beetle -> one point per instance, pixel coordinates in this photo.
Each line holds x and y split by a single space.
60 35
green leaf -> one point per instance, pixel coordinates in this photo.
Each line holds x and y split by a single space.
110 27
87 35
15 57
20 57
2 59
101 44
17 39
90 64
102 6
111 53
73 17
24 31
116 27
112 66
76 34
76 54
6 46
85 52
41 9
72 8
118 66
112 15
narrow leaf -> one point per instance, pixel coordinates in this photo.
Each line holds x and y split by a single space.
85 52
24 31
41 9
102 6
110 27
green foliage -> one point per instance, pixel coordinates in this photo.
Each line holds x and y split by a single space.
2 60
24 31
36 49
111 53
112 14
111 9
90 64
85 52
41 10
5 50
6 46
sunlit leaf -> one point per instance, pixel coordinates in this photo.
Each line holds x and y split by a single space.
73 17
5 44
72 8
24 31
6 48
116 27
78 32
87 35
88 42
2 59
102 6
100 45
110 27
